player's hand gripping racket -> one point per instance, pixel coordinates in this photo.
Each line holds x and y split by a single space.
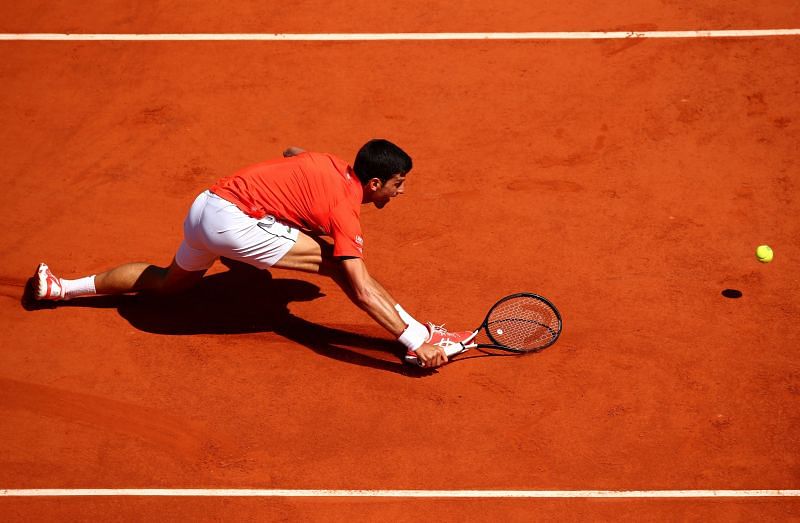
519 323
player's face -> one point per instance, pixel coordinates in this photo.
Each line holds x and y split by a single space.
393 187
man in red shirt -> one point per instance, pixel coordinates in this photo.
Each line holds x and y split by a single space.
272 214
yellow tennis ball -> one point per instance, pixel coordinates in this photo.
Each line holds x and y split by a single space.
764 253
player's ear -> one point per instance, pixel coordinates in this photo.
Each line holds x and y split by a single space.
374 184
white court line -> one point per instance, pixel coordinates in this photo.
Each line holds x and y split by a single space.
476 494
352 37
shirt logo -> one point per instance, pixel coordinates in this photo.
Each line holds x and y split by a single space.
359 240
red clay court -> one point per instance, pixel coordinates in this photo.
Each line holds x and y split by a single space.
627 179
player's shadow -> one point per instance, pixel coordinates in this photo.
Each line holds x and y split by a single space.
247 300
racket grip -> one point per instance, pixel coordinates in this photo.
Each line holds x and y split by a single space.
456 348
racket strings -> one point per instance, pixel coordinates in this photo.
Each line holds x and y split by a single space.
523 323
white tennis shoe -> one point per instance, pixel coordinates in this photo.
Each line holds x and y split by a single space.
452 342
447 340
46 286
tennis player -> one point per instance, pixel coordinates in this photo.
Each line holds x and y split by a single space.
277 214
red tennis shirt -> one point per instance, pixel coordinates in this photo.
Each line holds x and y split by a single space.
313 191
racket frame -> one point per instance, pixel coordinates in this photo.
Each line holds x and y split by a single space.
499 346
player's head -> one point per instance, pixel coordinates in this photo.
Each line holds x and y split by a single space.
381 166
380 159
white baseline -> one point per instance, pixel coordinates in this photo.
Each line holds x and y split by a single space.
355 37
475 494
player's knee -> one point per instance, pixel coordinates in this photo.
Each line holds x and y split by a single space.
169 280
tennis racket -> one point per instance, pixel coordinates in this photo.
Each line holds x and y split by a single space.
519 323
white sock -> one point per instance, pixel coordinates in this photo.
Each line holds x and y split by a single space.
79 287
406 317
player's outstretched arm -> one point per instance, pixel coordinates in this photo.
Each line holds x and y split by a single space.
370 296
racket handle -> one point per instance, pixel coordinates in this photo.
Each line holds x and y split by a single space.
456 348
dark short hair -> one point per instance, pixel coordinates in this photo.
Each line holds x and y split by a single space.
380 159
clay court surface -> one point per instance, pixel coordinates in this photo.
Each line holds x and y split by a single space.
629 181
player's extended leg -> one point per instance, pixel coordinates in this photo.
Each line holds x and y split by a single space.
130 277
138 276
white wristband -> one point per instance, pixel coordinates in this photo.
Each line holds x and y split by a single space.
414 336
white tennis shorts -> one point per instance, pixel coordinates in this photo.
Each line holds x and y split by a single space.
215 227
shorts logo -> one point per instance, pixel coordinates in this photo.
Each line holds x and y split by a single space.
359 240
